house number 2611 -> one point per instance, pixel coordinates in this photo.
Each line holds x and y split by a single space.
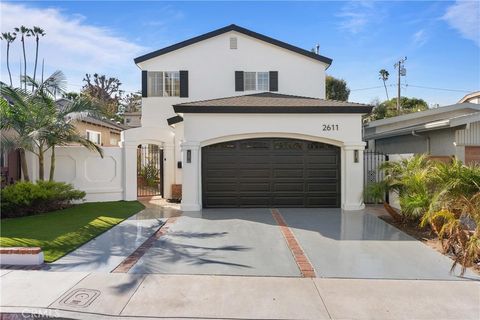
330 127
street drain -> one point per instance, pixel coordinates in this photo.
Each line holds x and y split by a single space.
80 298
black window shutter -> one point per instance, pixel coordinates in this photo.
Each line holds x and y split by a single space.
183 84
144 83
273 80
239 81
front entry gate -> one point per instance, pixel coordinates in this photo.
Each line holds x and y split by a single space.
149 170
372 161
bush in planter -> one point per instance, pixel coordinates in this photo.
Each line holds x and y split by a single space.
27 198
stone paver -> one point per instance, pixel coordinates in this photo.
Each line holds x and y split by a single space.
221 242
359 245
227 298
36 288
400 299
113 290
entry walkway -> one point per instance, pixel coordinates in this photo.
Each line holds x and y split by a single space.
79 295
108 250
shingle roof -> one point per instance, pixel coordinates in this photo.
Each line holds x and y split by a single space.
238 29
268 102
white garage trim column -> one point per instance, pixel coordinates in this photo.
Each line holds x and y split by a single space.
191 184
352 172
168 170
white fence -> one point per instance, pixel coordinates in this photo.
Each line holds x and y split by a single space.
100 178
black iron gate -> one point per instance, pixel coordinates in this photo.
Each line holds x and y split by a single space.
149 170
372 161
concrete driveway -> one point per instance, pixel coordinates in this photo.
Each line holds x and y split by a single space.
250 242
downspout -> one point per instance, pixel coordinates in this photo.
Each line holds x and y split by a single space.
427 138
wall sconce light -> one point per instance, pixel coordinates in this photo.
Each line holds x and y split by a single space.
179 164
189 156
355 156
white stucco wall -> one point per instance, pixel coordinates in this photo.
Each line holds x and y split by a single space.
212 64
101 179
205 129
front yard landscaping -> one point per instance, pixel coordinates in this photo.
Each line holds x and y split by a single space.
60 232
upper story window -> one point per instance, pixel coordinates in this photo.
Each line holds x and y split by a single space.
256 81
164 84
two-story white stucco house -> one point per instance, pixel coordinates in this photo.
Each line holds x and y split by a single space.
243 122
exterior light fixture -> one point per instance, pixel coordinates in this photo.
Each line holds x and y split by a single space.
355 156
189 156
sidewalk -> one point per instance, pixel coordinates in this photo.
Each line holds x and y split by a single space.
81 295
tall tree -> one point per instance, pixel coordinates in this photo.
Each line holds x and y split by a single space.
24 32
336 89
9 38
132 102
37 32
383 75
104 92
388 108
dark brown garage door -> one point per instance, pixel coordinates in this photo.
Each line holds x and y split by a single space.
271 172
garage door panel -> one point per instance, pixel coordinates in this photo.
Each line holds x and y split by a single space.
254 187
252 201
289 187
271 172
288 173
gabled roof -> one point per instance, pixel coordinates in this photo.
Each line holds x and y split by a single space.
238 29
268 102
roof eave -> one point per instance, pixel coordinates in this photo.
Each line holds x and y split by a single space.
267 109
232 27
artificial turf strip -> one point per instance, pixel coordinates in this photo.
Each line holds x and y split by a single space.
60 232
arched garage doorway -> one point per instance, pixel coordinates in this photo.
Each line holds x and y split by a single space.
271 172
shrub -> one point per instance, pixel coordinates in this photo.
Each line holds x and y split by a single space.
150 173
27 198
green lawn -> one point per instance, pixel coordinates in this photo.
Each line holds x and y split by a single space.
59 232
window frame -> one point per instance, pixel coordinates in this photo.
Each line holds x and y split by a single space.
173 86
99 134
265 86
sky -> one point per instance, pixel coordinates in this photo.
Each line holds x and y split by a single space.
441 40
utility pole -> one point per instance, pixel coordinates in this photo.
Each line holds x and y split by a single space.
399 65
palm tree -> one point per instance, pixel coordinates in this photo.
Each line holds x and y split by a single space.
25 32
9 37
37 32
383 75
63 132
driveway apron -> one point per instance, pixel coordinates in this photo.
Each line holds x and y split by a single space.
221 242
355 244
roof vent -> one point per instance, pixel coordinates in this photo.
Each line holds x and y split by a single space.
233 43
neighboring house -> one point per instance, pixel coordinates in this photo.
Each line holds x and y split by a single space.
132 119
101 131
242 121
442 132
473 97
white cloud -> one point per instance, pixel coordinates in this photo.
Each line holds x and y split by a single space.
70 45
419 38
464 16
356 15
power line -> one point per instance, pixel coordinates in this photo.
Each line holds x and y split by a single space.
440 89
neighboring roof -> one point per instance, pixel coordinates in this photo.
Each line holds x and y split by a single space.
420 114
94 120
471 95
451 116
134 113
238 29
268 102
